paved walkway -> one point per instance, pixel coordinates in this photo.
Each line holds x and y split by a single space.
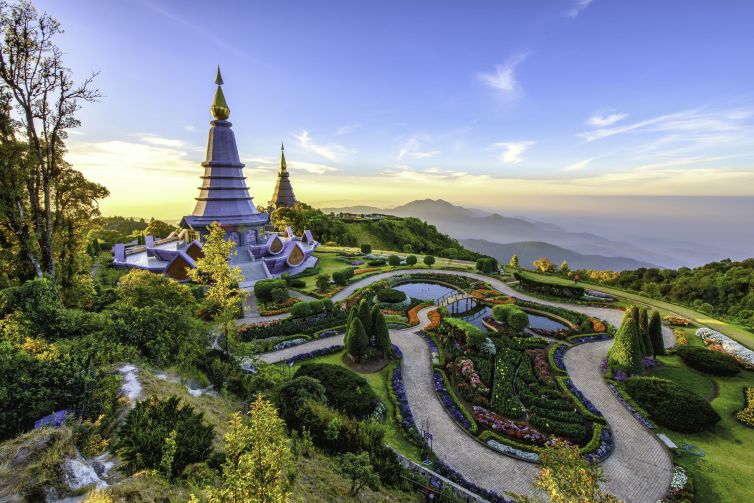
639 470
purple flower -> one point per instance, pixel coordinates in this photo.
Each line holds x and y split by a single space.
312 354
559 356
628 406
584 400
448 402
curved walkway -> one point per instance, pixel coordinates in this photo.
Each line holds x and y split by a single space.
640 468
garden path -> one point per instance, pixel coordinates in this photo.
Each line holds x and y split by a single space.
639 469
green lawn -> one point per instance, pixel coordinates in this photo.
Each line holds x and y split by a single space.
378 381
732 330
728 462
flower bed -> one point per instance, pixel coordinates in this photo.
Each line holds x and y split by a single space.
597 326
733 348
365 270
432 346
446 471
279 308
513 429
541 366
397 352
512 451
681 487
639 417
403 415
289 343
313 354
290 326
451 404
587 408
746 415
413 313
435 318
504 400
601 444
680 338
677 321
556 356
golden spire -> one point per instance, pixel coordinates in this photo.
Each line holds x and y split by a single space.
283 166
220 110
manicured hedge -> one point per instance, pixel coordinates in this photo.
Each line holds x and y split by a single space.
709 361
263 288
391 296
345 390
307 325
504 400
672 405
550 289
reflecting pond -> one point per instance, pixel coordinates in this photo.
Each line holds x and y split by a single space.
425 290
537 321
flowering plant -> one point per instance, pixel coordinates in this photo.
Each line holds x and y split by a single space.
541 367
447 401
628 406
733 348
677 321
513 429
746 415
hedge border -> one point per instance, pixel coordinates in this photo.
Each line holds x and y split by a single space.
551 357
470 418
561 380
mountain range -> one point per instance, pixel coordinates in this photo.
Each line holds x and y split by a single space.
500 236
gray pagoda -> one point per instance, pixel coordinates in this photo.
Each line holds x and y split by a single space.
224 196
283 197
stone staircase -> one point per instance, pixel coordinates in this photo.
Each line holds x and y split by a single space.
252 272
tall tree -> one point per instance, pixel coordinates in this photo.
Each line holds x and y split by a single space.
213 269
655 334
646 341
625 353
46 99
381 335
514 261
358 341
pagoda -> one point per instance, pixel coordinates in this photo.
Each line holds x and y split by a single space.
283 197
224 196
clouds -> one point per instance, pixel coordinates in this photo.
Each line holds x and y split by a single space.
578 165
503 79
577 7
513 152
412 149
330 151
605 118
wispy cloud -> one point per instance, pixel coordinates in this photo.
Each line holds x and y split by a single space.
577 7
268 165
412 149
690 126
189 128
330 151
578 165
513 152
503 79
409 173
605 118
348 128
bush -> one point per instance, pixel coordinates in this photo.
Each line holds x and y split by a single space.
263 288
709 361
329 304
671 405
394 260
141 439
549 289
511 315
366 248
345 390
279 295
301 310
390 296
297 283
429 260
342 277
625 353
411 260
376 263
486 264
293 396
317 306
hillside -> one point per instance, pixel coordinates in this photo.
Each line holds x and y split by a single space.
528 251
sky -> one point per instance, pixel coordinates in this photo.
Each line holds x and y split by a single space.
493 104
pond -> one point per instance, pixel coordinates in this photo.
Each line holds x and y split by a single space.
425 290
537 321
473 316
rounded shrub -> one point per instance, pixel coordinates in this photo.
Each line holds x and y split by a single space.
672 405
316 306
518 320
329 304
301 310
709 361
376 263
390 296
394 260
297 283
502 311
294 394
411 260
345 390
263 288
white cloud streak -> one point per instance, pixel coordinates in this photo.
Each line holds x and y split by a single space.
577 7
503 79
578 166
513 152
330 151
605 119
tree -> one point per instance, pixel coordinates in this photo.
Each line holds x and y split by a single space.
544 264
381 335
158 229
47 99
394 260
258 458
365 315
358 341
486 265
655 334
565 477
294 394
142 437
358 469
564 267
323 282
625 353
213 270
429 260
646 341
514 261
366 248
411 260
408 248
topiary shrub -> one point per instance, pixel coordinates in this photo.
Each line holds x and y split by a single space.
394 260
294 394
709 361
142 437
263 288
345 390
411 260
301 310
366 248
671 405
317 306
329 304
297 283
376 263
390 296
625 354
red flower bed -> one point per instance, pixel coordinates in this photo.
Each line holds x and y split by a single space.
513 429
413 313
541 365
597 326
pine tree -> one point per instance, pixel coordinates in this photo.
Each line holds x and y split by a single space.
625 353
358 341
351 315
365 316
373 341
655 334
514 262
634 313
382 336
646 341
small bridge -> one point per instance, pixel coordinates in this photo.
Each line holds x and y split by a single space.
458 302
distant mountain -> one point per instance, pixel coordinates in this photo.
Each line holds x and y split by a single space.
463 223
529 251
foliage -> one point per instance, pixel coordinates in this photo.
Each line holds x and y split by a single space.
142 437
358 469
149 311
429 260
746 414
343 276
565 477
290 326
646 341
411 260
357 341
367 335
301 309
511 316
504 400
672 405
544 264
390 295
325 227
486 265
514 261
294 394
258 458
394 260
709 361
263 288
158 229
323 282
549 289
655 334
346 391
625 353
366 248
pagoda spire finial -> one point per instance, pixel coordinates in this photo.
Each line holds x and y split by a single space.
220 110
283 166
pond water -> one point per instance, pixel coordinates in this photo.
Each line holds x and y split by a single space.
537 321
425 290
474 316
